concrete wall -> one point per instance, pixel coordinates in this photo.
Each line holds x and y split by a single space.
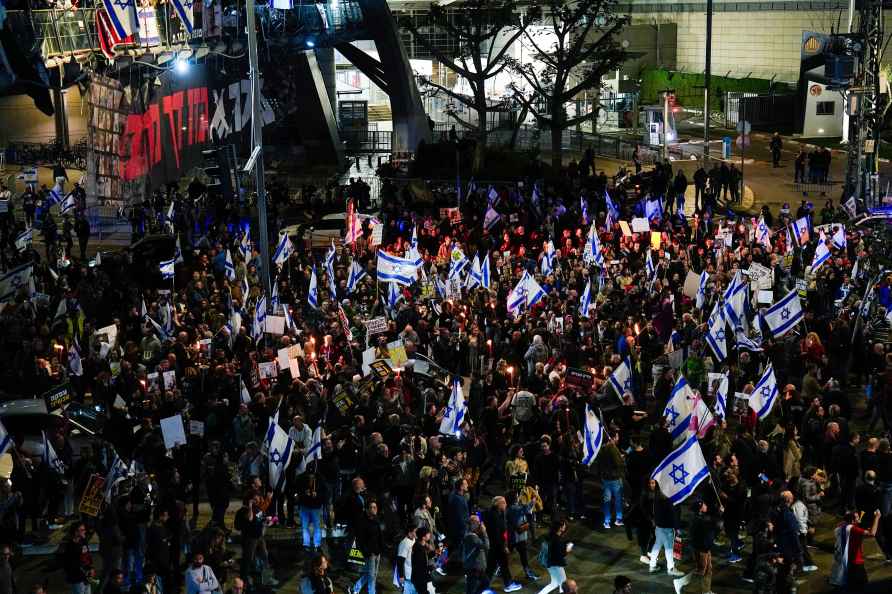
20 121
763 43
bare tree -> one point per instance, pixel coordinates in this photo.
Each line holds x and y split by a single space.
573 44
483 31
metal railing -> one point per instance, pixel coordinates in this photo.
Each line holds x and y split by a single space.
47 153
64 32
367 141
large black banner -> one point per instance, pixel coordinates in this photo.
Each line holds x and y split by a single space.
186 114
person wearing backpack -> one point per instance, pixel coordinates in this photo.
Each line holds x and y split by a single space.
556 556
475 550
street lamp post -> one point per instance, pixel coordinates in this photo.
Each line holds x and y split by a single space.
257 143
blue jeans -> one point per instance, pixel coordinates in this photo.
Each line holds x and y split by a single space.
80 588
311 515
409 588
369 574
664 539
613 492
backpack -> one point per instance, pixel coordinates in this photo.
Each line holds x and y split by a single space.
542 557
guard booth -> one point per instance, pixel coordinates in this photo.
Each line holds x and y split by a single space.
651 121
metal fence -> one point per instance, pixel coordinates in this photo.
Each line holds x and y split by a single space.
367 141
764 111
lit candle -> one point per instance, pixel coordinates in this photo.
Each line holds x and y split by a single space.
489 344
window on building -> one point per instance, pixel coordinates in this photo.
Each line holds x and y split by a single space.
826 108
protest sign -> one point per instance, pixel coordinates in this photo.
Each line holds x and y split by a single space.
93 497
173 432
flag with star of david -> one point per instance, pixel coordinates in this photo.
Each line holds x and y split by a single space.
621 378
679 408
679 474
764 394
594 437
281 447
716 339
122 14
784 315
186 14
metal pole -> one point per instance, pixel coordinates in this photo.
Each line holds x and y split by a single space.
257 142
666 125
707 77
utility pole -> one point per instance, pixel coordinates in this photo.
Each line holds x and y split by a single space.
707 77
257 143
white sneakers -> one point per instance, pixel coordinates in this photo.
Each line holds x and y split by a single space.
680 583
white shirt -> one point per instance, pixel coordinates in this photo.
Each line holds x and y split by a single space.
301 437
201 580
404 550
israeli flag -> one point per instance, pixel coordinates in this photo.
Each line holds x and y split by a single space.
784 315
412 253
491 218
763 233
621 378
592 252
244 245
274 297
329 270
839 238
246 290
800 230
701 290
68 205
594 437
764 394
122 14
393 296
822 254
244 394
281 448
168 269
744 342
586 302
682 471
457 262
314 452
532 290
229 267
679 408
5 439
716 339
357 272
473 279
583 204
54 196
50 457
484 272
653 209
548 258
517 298
259 317
493 195
184 11
788 244
735 299
721 397
116 472
271 430
650 268
23 240
284 249
402 271
455 412
313 291
75 365
612 210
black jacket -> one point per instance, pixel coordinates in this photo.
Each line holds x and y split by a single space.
369 537
421 573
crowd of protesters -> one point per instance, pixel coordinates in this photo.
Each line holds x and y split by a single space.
492 504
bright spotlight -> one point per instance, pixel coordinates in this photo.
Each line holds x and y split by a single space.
311 43
181 66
